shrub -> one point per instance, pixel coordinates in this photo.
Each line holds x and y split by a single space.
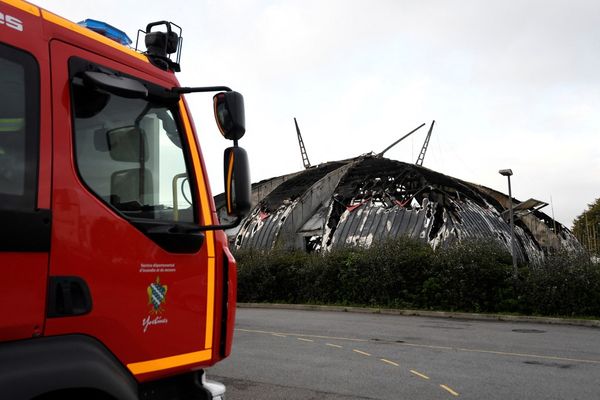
565 284
471 276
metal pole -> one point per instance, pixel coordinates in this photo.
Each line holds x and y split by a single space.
512 228
401 139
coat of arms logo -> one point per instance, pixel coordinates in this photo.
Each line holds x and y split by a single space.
157 296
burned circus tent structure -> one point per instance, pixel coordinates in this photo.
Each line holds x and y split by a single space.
359 201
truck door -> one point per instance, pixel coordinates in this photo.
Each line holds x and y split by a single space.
24 190
128 264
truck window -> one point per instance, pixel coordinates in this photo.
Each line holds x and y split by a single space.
19 132
129 152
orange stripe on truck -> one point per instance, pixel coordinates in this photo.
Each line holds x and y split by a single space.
160 364
24 6
206 219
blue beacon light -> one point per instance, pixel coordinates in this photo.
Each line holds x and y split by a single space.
106 30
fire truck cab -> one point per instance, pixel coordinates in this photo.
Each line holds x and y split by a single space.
118 283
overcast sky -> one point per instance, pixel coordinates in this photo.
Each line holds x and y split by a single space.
510 84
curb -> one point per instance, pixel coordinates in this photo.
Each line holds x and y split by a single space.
592 323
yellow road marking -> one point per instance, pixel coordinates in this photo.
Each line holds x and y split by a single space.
419 374
425 346
390 362
452 392
303 335
448 389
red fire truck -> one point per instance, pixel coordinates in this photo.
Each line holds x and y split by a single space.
117 279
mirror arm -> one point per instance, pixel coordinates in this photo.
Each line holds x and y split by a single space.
220 227
201 89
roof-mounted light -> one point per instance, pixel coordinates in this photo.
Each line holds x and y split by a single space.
106 30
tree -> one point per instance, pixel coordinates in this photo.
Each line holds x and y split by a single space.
586 228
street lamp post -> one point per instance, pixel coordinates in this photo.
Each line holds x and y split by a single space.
508 173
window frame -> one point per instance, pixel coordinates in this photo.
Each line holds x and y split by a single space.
78 65
27 202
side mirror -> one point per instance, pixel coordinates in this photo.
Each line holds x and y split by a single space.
230 114
237 181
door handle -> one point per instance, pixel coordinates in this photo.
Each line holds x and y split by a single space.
68 296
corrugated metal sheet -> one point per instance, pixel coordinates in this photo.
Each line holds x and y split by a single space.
372 222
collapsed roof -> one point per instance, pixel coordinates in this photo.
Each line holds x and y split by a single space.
359 201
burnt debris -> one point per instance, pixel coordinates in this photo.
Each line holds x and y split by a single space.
359 201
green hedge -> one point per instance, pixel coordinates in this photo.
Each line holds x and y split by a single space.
406 273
